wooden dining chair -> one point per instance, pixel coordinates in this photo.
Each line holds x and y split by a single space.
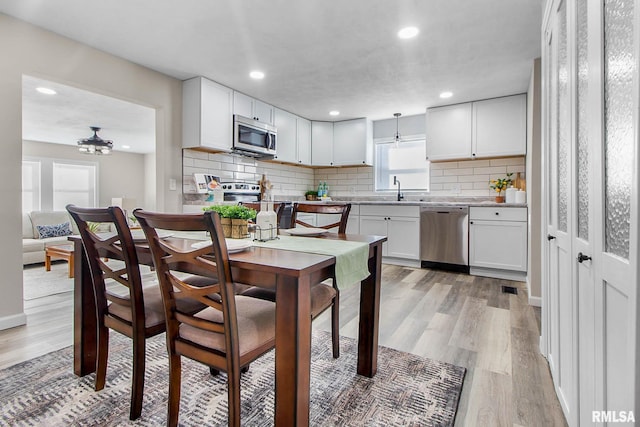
231 332
131 309
341 209
323 296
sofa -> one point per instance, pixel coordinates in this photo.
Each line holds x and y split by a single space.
37 225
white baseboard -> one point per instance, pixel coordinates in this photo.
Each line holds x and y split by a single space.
13 321
518 276
535 301
401 262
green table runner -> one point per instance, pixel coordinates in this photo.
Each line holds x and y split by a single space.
351 257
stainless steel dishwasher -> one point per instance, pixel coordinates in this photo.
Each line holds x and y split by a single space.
444 237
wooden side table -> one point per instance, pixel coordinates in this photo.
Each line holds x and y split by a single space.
64 251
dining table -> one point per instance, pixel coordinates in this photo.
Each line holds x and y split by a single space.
291 274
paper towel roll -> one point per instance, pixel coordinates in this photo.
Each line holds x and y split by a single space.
521 196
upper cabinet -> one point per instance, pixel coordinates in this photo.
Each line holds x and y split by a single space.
294 138
255 109
489 128
500 127
321 143
448 131
207 115
304 141
353 142
346 143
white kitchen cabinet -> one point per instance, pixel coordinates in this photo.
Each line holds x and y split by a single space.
304 141
322 143
401 225
252 108
480 129
353 222
353 142
207 115
498 242
500 127
448 131
287 139
294 138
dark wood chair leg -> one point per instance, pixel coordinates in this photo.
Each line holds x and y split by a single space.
137 383
175 372
233 380
103 354
335 325
213 371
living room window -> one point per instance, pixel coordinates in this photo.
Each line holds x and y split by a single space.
406 160
30 186
49 184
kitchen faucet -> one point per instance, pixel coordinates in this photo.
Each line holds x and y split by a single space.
396 181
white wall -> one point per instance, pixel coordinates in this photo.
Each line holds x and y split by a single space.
33 51
119 174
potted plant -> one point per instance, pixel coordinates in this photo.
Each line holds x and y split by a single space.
311 195
500 184
234 219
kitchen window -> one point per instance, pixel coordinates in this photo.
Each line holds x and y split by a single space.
405 160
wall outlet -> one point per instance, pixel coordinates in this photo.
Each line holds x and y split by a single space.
172 184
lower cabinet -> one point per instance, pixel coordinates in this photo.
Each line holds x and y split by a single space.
401 225
498 242
319 220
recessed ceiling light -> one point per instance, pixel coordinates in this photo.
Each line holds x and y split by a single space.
408 32
256 75
126 147
334 113
446 94
46 90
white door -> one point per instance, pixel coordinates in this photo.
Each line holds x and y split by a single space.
615 29
375 225
585 138
562 351
403 238
590 120
500 127
449 132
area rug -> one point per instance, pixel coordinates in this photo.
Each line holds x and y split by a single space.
407 390
38 283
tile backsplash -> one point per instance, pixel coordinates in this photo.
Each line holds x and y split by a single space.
468 178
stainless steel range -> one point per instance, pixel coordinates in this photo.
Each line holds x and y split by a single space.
241 191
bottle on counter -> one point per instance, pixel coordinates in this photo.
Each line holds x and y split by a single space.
510 194
325 190
320 189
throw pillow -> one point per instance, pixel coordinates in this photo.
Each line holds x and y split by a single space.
55 230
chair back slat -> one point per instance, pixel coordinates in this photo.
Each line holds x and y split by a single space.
172 258
339 209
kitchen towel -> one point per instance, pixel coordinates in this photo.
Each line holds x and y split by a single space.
351 257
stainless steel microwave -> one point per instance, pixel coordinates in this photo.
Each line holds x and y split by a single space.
253 138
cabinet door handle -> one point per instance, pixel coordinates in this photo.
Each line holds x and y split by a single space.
470 222
497 213
550 237
582 257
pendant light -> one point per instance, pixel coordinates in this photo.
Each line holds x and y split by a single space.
397 136
94 144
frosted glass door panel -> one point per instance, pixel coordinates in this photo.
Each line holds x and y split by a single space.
563 117
582 129
619 63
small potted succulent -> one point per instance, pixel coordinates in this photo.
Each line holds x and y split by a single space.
500 184
311 195
234 219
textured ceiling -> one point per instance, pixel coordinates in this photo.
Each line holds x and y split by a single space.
318 55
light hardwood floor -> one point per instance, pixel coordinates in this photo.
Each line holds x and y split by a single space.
456 318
